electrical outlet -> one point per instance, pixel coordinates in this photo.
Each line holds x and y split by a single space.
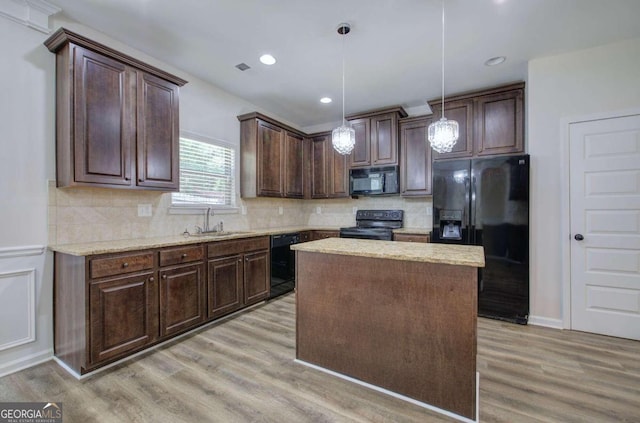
318 210
243 210
144 210
354 210
280 210
429 211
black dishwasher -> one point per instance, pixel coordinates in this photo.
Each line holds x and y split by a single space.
283 263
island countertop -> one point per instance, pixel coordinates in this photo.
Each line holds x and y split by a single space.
460 255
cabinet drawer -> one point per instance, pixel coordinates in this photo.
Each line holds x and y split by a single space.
181 255
411 237
109 266
237 246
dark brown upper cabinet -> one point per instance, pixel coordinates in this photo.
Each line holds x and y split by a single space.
329 169
491 121
117 120
376 137
415 157
272 158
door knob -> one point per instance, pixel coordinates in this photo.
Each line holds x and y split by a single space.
578 237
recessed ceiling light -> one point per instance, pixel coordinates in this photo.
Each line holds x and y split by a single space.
267 59
325 100
495 61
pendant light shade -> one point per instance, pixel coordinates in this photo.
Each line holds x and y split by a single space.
343 138
443 134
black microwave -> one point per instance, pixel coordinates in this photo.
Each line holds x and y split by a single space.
374 181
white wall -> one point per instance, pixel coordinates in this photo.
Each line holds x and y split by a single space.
581 83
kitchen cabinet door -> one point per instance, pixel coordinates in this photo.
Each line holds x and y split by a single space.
499 123
158 134
224 285
123 315
319 173
257 277
384 139
361 154
339 172
104 123
271 162
182 298
462 112
294 170
415 158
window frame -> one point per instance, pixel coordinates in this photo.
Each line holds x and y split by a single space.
199 208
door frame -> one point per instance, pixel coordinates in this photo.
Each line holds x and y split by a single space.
565 203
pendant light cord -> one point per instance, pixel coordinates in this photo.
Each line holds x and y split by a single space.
344 120
442 59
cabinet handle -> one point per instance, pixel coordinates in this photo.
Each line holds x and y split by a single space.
151 279
184 255
126 178
140 180
246 259
239 261
125 264
164 276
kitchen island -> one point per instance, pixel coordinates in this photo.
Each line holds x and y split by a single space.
397 316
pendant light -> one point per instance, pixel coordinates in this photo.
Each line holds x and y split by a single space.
443 134
343 138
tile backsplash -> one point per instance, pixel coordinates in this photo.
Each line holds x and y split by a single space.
102 214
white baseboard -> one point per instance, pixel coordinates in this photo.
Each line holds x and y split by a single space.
25 362
546 322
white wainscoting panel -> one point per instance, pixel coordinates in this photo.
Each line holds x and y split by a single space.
26 307
17 308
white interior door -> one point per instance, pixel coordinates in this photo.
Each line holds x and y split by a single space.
605 212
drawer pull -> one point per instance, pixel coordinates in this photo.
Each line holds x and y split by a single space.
151 279
125 264
184 255
164 276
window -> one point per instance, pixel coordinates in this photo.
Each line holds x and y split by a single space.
207 173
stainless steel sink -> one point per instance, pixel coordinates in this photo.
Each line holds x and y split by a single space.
217 234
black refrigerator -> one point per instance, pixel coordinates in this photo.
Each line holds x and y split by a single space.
486 202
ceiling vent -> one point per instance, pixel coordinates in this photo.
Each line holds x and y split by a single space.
243 66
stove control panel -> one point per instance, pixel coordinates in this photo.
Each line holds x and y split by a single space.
380 215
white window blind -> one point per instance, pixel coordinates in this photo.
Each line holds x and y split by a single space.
207 173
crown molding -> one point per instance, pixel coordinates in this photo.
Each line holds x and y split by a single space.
30 13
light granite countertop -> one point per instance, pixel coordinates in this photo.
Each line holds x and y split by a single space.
104 247
461 255
123 245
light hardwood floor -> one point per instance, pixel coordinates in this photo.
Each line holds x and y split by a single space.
242 370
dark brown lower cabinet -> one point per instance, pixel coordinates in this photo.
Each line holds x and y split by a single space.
109 306
123 315
257 276
224 285
237 280
182 296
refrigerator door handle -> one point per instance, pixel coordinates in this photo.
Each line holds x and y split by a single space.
472 221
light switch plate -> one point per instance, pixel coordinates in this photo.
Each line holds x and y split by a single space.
354 210
429 211
280 210
318 210
243 210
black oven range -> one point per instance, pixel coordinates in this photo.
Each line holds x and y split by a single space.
374 224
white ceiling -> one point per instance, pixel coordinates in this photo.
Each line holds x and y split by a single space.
392 54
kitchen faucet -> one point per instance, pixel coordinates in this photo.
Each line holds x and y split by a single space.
206 220
206 228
